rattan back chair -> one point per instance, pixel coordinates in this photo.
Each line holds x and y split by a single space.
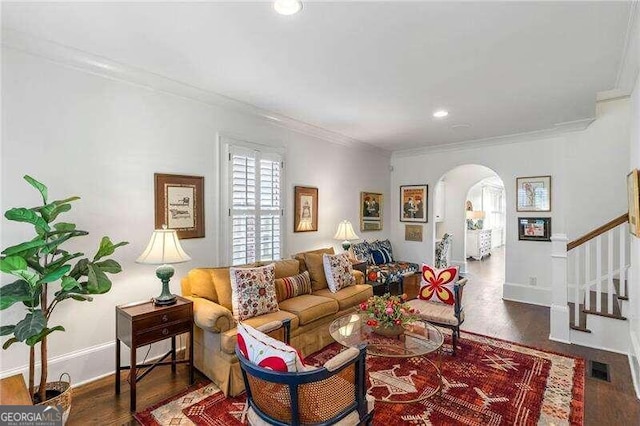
332 394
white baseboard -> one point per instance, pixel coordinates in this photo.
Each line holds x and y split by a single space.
526 294
92 363
634 362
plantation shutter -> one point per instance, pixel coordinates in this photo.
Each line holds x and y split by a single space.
256 205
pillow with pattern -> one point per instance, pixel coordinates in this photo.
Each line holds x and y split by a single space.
253 291
437 285
337 269
267 352
293 286
384 245
362 252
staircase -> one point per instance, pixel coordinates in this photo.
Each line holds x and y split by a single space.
595 277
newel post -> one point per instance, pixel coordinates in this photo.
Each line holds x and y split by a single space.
559 324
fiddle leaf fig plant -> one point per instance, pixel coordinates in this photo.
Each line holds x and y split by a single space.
46 274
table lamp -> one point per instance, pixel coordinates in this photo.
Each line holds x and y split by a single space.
345 233
474 219
163 249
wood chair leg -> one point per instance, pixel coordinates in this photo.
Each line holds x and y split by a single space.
454 338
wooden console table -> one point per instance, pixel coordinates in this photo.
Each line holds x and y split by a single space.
143 323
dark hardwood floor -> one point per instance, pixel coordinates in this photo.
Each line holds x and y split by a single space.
606 403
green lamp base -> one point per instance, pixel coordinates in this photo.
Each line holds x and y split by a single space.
165 272
346 244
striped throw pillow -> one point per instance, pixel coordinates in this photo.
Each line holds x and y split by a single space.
293 286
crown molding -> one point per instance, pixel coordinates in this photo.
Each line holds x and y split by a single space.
107 68
630 60
557 130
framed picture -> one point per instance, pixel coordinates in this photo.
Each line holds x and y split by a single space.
179 204
534 228
533 194
413 232
413 203
633 195
370 211
305 209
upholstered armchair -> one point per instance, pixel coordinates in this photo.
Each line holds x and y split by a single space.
332 394
443 314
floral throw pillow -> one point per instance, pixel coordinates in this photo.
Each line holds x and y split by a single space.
253 291
267 352
337 269
437 284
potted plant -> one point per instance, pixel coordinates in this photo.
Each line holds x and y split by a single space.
38 264
387 314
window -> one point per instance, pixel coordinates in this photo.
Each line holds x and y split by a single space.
255 180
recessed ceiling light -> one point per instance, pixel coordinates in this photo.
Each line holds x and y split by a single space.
287 7
441 113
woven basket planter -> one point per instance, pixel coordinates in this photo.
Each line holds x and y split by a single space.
393 331
63 399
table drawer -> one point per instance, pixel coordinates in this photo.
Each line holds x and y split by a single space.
163 317
162 332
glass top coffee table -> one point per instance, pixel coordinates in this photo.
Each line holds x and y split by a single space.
419 339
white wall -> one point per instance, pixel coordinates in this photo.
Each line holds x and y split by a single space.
580 164
458 182
102 139
634 271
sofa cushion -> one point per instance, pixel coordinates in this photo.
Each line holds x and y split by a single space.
435 312
202 284
337 271
228 338
381 256
267 352
309 308
348 297
300 256
289 287
287 268
222 284
437 284
316 270
253 291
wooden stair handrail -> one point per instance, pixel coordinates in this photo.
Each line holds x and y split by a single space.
598 231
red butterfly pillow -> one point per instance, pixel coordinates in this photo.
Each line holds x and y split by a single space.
437 285
267 352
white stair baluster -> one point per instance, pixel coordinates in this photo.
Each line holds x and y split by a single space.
587 275
598 273
622 274
610 291
576 292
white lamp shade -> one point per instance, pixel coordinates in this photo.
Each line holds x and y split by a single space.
164 248
476 214
345 232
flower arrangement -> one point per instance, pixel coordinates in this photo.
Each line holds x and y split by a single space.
387 311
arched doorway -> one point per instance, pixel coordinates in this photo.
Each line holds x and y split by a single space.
470 205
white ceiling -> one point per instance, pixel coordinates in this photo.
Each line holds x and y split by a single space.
374 72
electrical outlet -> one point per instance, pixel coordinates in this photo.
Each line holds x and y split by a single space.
533 281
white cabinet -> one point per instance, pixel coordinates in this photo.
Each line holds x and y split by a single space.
478 243
438 202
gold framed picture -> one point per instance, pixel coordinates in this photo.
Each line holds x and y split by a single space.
413 232
413 203
179 204
305 209
633 195
371 211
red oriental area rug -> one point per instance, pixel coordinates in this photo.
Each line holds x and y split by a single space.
488 382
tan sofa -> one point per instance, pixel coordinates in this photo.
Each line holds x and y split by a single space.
310 315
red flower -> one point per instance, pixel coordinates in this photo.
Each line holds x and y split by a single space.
364 306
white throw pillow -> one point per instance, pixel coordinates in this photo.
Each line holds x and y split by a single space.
337 269
253 291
